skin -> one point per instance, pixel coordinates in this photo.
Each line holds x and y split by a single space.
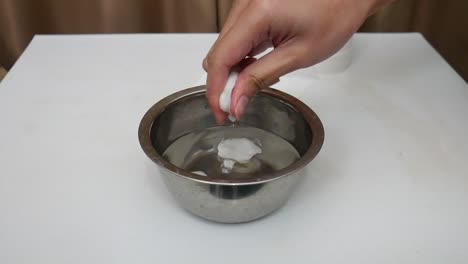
302 32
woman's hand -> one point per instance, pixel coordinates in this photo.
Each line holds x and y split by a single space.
302 32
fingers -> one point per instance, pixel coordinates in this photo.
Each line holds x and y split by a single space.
257 50
266 44
246 62
214 88
248 31
220 115
303 33
237 8
262 73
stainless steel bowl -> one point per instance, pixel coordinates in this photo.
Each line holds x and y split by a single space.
231 200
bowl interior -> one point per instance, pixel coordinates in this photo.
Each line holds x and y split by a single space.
270 110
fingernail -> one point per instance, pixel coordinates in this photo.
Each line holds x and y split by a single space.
241 106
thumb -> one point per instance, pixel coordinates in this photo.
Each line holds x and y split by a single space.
262 73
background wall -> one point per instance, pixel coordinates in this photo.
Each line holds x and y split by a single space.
443 23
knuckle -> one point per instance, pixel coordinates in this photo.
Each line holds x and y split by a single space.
212 58
209 58
256 82
205 64
262 7
300 57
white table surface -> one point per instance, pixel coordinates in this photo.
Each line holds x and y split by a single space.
389 186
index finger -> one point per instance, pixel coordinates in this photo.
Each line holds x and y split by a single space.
246 33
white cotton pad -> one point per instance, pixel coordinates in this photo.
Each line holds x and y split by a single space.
225 97
236 150
228 165
201 173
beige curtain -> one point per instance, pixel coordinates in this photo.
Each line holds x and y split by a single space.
443 23
21 19
2 73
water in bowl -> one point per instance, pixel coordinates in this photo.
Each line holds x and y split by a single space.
198 152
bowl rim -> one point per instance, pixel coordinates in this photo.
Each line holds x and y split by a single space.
146 124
